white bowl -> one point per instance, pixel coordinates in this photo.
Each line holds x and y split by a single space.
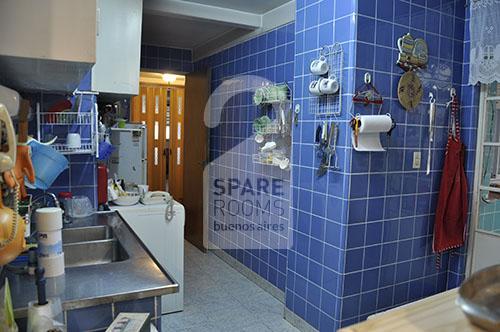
131 198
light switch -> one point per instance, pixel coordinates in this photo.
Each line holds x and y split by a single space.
417 159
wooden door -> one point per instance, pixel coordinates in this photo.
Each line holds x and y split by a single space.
154 107
197 91
176 160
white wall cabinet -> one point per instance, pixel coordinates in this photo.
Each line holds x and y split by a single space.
118 47
47 45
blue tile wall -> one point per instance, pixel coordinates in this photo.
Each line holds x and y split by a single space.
316 283
235 73
394 238
80 178
470 111
362 237
171 59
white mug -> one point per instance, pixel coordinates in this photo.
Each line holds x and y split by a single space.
74 141
319 66
329 85
314 87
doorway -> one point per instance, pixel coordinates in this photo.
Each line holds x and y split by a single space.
173 109
485 230
160 106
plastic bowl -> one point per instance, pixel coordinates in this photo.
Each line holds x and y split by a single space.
131 198
47 163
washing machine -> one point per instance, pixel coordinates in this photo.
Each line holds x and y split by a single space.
164 238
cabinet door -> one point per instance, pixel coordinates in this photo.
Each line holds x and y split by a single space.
118 47
49 29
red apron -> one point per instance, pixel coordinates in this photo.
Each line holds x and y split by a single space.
451 211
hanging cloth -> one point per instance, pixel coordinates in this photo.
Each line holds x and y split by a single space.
451 212
484 27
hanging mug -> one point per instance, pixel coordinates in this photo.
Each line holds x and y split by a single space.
329 86
314 87
319 66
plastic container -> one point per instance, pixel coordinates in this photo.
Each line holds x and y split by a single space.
79 207
47 163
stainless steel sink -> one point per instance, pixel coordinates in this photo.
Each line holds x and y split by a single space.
93 245
84 234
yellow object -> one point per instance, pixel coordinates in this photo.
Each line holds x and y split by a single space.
12 228
12 225
7 304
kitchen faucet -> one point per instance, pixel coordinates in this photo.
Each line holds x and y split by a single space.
46 193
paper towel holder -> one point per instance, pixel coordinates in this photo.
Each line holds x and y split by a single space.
366 137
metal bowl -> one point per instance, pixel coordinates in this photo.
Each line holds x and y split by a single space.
479 298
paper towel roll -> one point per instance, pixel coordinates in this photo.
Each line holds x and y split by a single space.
48 219
49 243
369 132
45 317
53 265
375 124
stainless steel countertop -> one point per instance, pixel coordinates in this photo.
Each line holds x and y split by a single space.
137 277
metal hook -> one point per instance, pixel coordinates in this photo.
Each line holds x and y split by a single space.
453 92
368 78
432 99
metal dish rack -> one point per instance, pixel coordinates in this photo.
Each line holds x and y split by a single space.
330 104
59 124
268 158
269 99
270 129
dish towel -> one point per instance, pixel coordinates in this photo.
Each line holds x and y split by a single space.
452 207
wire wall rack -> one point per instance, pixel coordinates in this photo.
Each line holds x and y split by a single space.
329 104
56 125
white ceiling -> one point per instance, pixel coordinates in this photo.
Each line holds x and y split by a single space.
178 32
190 24
250 6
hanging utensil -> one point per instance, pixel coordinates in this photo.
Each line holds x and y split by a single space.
367 93
23 166
334 146
432 114
328 150
355 124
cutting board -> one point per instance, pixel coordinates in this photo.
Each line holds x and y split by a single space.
436 313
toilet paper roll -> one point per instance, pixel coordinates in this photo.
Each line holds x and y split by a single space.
53 265
49 243
48 219
375 124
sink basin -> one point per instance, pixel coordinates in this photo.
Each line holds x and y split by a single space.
94 245
84 234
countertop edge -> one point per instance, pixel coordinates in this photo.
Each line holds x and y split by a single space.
22 312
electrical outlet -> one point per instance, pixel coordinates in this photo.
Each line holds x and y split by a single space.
417 159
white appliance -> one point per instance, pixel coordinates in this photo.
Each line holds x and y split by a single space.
164 238
129 159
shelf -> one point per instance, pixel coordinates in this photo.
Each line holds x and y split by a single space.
66 119
270 159
497 144
59 124
271 129
492 189
272 94
86 148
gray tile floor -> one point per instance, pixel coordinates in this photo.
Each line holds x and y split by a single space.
218 298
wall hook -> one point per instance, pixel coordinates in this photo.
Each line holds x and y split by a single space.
453 92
